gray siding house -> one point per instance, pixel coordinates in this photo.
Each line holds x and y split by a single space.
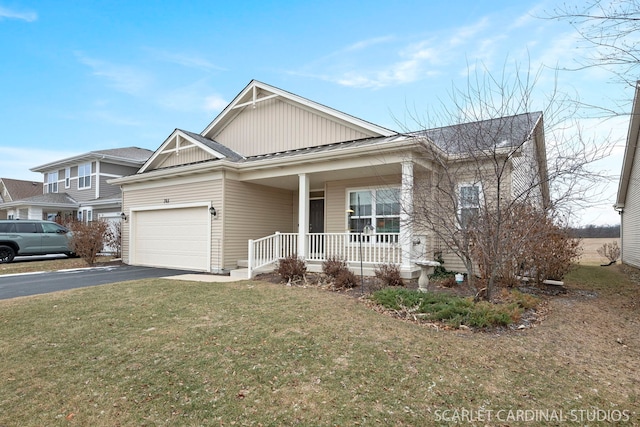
77 187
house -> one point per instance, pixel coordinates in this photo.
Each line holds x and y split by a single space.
628 199
276 174
16 189
76 187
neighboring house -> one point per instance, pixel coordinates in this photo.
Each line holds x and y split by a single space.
16 189
76 187
276 174
628 200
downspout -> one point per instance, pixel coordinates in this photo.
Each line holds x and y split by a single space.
620 210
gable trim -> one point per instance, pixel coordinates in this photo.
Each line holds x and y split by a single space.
177 134
231 110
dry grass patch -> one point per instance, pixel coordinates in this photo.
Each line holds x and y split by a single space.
165 352
31 266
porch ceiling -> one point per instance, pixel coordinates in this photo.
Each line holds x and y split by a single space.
318 179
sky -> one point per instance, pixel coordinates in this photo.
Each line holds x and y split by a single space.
93 75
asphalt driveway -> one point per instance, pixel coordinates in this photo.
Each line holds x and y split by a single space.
18 285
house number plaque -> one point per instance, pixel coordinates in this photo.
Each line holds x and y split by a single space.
166 200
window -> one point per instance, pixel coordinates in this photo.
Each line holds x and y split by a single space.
85 215
67 177
26 227
53 228
84 176
468 203
52 182
379 208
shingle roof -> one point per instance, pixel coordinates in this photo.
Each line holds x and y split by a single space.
49 198
130 153
510 131
126 155
216 146
21 189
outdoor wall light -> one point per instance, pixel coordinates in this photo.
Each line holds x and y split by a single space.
123 216
213 212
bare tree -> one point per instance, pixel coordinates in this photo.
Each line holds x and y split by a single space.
492 162
87 239
611 32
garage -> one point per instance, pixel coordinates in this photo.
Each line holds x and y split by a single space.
172 238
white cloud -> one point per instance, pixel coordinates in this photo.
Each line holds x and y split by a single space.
16 162
12 14
123 78
214 103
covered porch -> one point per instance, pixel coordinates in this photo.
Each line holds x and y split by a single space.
359 213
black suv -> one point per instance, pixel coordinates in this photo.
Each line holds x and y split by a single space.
31 237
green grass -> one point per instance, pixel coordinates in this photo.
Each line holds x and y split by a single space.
164 352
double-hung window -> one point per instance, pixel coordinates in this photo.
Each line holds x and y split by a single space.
52 182
378 208
67 177
84 176
468 203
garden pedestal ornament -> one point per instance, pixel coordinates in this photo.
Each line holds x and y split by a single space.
426 268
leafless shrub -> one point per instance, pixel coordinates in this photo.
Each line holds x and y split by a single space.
338 271
611 251
87 239
292 268
389 274
333 265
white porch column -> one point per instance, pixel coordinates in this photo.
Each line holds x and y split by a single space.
406 210
303 214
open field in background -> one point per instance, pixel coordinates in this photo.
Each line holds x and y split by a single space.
590 247
164 352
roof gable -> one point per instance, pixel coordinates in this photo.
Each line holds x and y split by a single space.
184 147
264 119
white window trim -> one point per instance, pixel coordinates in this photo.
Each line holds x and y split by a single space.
85 214
459 199
82 179
373 215
52 183
67 177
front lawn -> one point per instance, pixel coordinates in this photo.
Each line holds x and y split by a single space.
165 352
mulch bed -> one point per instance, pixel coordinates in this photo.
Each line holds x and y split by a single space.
367 285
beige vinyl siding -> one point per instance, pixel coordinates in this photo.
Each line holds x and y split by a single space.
202 189
631 216
336 198
526 175
253 211
275 126
184 157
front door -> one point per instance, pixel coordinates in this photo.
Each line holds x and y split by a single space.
316 224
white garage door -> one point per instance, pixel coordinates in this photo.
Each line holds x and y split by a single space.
172 238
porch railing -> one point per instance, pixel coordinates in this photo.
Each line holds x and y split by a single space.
269 249
377 248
